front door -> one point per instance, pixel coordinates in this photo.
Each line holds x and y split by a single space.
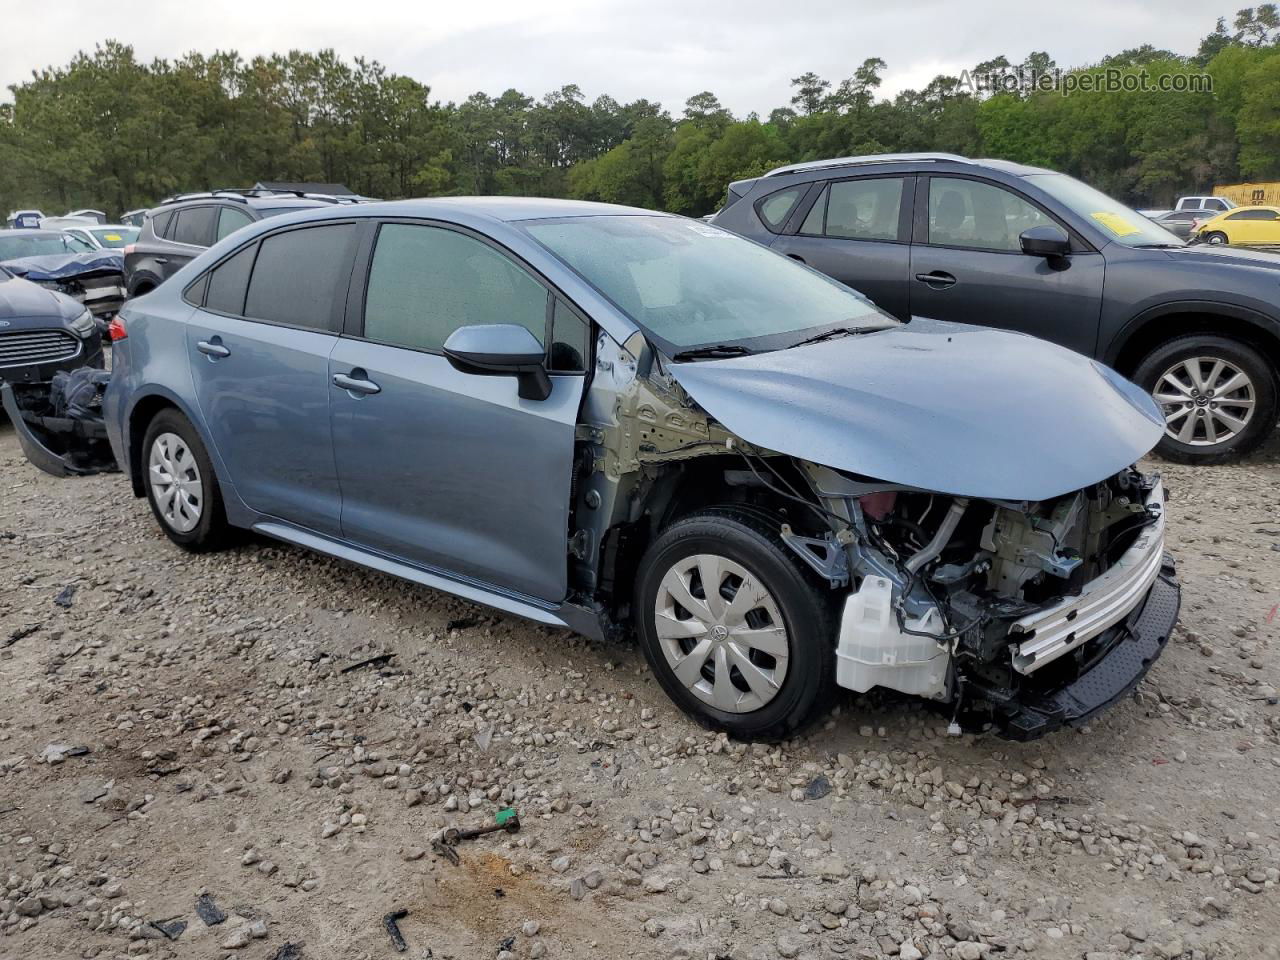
856 231
259 352
967 265
444 469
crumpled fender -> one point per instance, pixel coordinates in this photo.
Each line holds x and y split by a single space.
952 408
62 266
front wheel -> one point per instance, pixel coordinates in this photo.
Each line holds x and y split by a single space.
1218 397
1217 238
735 629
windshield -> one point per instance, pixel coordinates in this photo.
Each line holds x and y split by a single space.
690 284
37 245
116 237
1117 221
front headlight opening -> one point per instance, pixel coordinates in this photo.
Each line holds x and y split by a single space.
83 325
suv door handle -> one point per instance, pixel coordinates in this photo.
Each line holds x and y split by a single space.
938 280
354 384
213 348
161 259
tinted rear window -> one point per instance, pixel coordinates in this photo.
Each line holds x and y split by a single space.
195 226
298 274
160 223
228 282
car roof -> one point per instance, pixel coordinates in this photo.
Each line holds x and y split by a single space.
505 209
1252 206
39 232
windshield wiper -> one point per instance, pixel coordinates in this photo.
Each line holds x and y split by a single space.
831 335
713 352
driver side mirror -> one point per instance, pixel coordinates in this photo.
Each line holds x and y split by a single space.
1045 240
501 349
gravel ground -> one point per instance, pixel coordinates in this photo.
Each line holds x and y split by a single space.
192 739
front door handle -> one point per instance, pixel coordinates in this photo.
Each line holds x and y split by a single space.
354 384
938 280
213 348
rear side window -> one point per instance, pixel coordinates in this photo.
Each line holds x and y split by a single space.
298 274
230 220
775 208
864 209
426 282
194 226
228 282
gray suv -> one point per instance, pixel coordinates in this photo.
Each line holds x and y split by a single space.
183 227
1003 245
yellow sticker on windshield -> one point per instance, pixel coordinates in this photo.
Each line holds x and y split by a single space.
112 237
1115 223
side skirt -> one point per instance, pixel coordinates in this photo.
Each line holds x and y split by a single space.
556 615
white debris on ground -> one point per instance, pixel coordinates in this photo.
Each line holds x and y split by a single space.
187 768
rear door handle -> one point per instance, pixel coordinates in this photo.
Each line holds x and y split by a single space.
355 384
162 259
937 279
213 348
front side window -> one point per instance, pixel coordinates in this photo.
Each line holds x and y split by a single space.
689 284
194 226
425 282
971 213
569 336
298 274
230 220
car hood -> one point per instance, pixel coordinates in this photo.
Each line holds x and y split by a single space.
945 407
21 300
62 266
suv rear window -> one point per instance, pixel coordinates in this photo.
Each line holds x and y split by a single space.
160 223
297 275
195 226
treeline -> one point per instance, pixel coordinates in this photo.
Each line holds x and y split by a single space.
111 132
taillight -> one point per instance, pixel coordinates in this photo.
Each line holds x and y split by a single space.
116 330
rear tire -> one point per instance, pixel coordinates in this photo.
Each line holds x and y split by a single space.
181 486
761 669
1178 375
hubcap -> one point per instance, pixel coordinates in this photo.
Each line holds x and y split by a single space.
1205 401
175 482
722 633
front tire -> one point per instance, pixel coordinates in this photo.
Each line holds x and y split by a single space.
1217 238
181 486
1218 396
755 654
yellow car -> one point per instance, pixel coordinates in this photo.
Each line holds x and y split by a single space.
1241 225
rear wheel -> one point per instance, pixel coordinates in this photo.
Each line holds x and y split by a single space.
1218 397
734 627
181 486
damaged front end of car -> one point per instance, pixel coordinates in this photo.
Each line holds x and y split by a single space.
95 279
1028 608
59 423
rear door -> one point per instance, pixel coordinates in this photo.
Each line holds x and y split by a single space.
857 231
967 264
444 469
259 352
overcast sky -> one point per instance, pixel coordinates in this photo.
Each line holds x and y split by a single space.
745 51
